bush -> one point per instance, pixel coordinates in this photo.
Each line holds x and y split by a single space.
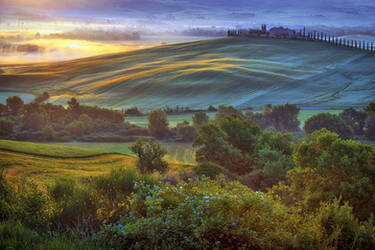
330 122
6 126
212 170
13 235
158 124
150 156
200 215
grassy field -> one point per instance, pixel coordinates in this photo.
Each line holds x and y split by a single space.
45 162
232 71
177 152
54 151
175 119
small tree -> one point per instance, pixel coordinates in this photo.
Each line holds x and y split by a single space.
224 112
355 119
185 132
15 105
200 119
150 156
42 98
330 122
6 126
370 108
74 107
158 124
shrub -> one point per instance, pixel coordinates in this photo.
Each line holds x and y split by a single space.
200 215
13 235
212 170
328 121
158 124
6 126
150 156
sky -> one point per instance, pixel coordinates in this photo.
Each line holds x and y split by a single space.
108 26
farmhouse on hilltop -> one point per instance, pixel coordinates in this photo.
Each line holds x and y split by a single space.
280 32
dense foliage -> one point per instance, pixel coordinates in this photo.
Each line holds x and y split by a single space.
329 167
282 117
328 121
239 145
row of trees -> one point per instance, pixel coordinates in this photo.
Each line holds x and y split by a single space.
348 124
48 120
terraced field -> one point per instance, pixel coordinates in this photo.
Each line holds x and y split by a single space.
232 71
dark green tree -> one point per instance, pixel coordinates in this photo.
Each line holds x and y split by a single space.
150 156
370 108
224 112
355 119
15 105
330 122
185 132
200 119
158 124
329 167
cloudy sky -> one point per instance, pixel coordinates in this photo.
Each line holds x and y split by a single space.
187 13
39 30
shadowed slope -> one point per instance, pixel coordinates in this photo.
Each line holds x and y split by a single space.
233 71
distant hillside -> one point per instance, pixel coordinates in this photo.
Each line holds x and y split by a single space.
232 71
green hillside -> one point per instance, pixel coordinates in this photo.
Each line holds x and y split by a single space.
55 151
232 71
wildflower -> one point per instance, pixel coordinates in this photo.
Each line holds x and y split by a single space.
120 225
105 221
234 223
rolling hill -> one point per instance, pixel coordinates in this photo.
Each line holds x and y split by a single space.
232 71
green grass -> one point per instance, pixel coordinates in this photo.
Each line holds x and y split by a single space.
177 152
54 151
241 72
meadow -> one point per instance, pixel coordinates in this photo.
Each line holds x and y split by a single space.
241 72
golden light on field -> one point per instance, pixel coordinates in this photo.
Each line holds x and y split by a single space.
63 49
